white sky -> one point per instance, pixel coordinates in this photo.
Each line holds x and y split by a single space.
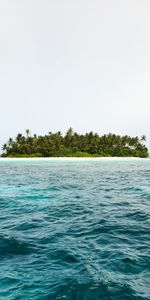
79 63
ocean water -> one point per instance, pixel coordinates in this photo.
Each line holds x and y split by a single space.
75 230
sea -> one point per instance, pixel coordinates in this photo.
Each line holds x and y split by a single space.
76 229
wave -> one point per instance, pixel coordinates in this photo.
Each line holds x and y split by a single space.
10 246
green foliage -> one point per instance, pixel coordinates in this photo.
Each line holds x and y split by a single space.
74 145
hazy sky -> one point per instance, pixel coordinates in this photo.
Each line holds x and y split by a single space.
79 63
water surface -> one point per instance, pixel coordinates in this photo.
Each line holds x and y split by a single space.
75 230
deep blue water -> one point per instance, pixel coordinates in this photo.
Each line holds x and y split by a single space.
75 230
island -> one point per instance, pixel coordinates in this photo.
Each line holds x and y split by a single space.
73 144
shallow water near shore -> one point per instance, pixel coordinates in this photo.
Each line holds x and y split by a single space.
75 229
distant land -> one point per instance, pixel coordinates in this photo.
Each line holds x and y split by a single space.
73 144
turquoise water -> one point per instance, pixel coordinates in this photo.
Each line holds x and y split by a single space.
75 230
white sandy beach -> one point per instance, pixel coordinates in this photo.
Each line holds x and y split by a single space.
70 158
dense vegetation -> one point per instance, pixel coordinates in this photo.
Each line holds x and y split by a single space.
74 144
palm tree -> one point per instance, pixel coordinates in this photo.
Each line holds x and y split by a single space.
68 137
10 142
28 132
69 132
143 138
54 144
19 137
4 147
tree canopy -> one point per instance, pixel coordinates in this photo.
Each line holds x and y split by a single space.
74 144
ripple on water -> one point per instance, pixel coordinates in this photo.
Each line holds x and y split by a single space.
10 246
75 231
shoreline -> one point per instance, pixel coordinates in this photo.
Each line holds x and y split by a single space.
69 158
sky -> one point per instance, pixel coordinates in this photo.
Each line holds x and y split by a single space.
82 63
